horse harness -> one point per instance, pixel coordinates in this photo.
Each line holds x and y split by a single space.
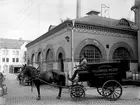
36 74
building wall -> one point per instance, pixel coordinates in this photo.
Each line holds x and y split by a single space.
101 40
57 43
81 37
23 51
11 53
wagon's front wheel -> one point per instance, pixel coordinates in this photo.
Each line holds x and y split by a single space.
112 90
77 91
99 90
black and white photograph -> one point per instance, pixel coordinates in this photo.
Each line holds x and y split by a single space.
69 52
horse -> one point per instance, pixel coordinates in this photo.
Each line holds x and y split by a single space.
23 80
45 77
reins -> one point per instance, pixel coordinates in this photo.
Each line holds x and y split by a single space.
36 77
50 83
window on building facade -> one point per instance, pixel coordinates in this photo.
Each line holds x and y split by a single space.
3 59
92 53
3 52
123 22
33 58
49 56
6 52
17 52
7 59
13 59
17 59
121 53
13 52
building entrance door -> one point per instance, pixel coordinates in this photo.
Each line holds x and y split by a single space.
60 62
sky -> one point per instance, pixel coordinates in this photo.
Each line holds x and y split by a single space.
29 19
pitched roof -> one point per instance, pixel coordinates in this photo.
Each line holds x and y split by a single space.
106 22
122 24
11 43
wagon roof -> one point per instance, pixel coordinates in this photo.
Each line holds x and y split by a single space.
105 62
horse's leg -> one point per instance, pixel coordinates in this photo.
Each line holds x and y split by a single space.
20 81
59 94
38 89
61 83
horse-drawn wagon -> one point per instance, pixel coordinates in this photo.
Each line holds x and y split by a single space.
106 77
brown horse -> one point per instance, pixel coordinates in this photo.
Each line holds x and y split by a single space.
40 78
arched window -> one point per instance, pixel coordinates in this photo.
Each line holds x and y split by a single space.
33 58
93 53
121 53
39 57
39 60
123 22
49 59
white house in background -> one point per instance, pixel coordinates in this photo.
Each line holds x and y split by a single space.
12 54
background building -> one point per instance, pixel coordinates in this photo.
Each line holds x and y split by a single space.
12 54
99 38
136 9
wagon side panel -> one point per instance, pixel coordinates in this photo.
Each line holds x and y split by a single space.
100 73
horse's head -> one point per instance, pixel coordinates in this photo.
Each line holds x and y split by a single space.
25 71
29 71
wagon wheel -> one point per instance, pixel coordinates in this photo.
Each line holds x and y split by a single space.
77 91
112 90
99 90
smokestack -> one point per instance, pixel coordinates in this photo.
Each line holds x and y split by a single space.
78 9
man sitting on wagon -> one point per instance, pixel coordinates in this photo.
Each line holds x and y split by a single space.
82 66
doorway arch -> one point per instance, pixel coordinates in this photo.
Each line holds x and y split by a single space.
61 62
49 59
60 58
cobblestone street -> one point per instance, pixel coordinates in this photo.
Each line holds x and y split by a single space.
22 95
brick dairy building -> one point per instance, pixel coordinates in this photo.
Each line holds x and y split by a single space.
99 38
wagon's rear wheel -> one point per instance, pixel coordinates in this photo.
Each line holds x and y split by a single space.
112 90
99 90
77 92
